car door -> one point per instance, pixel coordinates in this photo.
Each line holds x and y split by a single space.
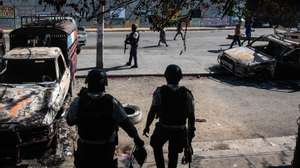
292 59
64 80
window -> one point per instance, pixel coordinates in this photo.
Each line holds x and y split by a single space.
28 71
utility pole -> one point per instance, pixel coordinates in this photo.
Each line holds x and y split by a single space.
100 40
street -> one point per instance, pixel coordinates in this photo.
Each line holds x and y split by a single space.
203 48
235 108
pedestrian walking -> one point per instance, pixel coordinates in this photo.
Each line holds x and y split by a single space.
179 31
237 35
97 116
162 37
248 30
172 105
133 39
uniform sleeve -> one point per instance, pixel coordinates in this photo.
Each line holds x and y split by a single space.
119 114
191 111
156 101
72 112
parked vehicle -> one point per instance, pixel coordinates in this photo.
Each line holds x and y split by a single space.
267 55
48 31
36 76
34 84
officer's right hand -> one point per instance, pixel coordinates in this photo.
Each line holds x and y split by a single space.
146 132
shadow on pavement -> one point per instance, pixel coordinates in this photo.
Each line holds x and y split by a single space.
224 45
215 51
86 69
279 167
286 85
115 68
152 46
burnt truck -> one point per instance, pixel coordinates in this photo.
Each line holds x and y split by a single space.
268 55
36 76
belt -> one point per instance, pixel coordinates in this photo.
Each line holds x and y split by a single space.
173 127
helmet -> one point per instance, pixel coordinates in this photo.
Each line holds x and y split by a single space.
133 27
173 74
96 80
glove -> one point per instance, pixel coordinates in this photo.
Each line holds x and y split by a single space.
146 132
139 142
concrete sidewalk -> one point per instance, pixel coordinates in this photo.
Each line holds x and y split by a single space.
276 152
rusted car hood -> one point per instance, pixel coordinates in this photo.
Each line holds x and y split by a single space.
246 55
24 105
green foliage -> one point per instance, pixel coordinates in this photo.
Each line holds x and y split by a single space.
283 12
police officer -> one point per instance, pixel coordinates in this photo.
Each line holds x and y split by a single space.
133 40
172 105
98 116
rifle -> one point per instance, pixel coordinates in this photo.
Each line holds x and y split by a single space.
188 151
125 43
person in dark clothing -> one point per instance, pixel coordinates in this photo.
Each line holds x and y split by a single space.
248 31
162 37
296 160
172 105
178 29
97 116
133 39
237 36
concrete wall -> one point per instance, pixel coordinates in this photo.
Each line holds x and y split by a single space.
210 16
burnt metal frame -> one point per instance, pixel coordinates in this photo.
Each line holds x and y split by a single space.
20 143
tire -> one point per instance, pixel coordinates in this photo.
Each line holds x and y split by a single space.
134 113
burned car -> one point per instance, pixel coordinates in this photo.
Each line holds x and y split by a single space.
267 55
34 84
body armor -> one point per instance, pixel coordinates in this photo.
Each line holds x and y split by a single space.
95 117
174 106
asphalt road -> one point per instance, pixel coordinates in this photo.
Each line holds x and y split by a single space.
201 53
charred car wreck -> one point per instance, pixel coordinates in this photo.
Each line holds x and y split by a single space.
35 78
267 55
34 83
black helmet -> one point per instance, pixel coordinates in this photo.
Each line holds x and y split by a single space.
133 27
173 74
96 80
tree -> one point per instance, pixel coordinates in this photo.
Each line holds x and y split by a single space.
161 13
89 9
278 12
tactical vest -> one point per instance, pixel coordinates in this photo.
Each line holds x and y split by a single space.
134 42
174 109
95 117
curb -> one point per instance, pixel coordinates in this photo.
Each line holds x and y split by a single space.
245 147
144 29
228 153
